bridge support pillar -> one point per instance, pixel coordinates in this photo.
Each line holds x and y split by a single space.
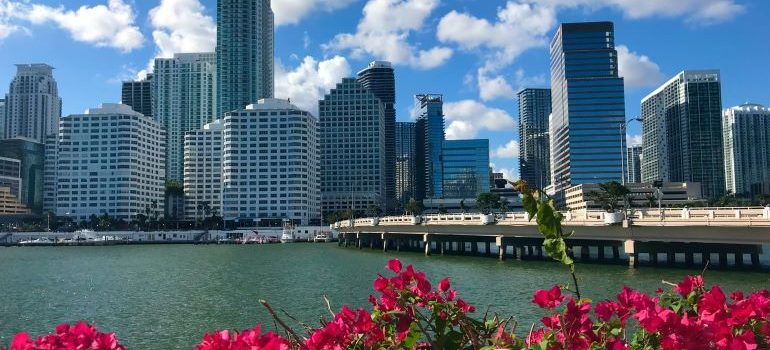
475 248
488 250
671 258
755 259
630 250
518 251
441 244
615 253
723 258
426 241
600 252
585 253
688 258
539 250
398 244
739 259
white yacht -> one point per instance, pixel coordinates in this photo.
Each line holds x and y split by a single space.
287 234
37 241
323 237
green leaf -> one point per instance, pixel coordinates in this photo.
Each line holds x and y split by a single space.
413 337
530 205
547 222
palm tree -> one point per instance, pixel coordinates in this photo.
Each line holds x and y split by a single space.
609 195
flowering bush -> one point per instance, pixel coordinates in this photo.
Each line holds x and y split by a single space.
79 336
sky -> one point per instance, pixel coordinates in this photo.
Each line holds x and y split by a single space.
477 53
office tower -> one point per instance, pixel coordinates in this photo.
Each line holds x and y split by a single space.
379 78
110 161
9 204
2 118
588 106
138 95
682 132
747 149
244 53
634 164
31 155
32 106
10 175
405 159
50 169
203 171
466 168
184 89
430 143
271 164
534 149
352 148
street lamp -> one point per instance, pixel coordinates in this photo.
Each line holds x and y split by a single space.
624 150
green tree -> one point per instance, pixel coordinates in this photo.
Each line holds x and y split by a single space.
414 207
609 195
487 202
503 205
373 211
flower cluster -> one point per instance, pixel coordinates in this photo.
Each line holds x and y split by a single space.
245 340
690 317
79 336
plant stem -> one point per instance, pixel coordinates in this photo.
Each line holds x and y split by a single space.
577 287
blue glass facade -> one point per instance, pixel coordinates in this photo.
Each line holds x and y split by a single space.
534 153
466 168
430 141
586 133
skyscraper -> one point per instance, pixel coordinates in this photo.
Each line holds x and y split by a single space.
430 143
682 132
33 106
634 164
405 161
138 95
2 118
31 154
203 171
534 149
465 168
379 78
586 137
270 164
747 149
352 148
244 53
107 170
184 101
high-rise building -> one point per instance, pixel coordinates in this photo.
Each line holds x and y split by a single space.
10 175
33 106
405 159
682 132
534 149
244 53
110 161
747 149
466 168
31 155
271 164
587 98
634 164
184 88
430 143
50 169
2 118
203 170
138 95
352 148
379 78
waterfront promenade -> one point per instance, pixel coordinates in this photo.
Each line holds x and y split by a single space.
691 237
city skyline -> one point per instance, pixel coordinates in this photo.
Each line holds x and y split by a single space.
105 63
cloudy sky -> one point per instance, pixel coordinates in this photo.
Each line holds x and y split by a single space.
477 53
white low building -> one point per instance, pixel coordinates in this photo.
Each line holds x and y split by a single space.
110 160
203 171
271 164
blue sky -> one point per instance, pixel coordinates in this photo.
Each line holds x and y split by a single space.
477 53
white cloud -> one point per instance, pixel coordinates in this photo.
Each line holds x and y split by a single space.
182 26
7 11
509 174
633 140
467 117
694 11
104 26
509 150
292 11
519 27
494 87
308 82
384 31
637 70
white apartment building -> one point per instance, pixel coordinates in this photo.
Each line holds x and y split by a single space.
271 163
32 106
203 170
746 130
110 160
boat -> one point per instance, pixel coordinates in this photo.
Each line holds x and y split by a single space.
37 241
287 234
323 237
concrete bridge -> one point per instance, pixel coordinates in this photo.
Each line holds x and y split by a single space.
690 237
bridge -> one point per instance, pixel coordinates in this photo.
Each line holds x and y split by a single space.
686 236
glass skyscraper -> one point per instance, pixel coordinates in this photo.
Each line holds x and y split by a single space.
586 136
682 132
466 168
747 149
245 40
31 155
430 142
352 131
405 161
138 95
534 150
379 78
634 164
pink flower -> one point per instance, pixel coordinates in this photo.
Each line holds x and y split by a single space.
688 284
444 285
394 265
548 298
380 283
